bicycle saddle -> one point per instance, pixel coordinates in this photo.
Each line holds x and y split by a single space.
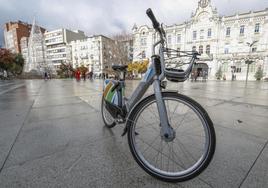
119 67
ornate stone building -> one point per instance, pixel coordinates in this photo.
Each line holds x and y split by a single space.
225 42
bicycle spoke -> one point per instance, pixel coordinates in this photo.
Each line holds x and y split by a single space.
153 114
168 111
183 148
177 156
182 120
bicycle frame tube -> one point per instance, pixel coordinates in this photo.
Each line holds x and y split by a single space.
141 88
145 82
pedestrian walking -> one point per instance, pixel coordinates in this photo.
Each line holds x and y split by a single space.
77 75
84 76
45 76
195 75
5 74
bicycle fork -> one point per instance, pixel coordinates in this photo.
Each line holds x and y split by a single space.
167 133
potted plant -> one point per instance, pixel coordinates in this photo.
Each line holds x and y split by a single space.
259 74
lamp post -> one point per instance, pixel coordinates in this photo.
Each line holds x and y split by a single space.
248 62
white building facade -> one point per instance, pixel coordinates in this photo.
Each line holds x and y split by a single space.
57 49
98 53
223 41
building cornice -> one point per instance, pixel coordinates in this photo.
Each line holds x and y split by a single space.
213 13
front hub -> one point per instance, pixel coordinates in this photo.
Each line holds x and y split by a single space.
168 134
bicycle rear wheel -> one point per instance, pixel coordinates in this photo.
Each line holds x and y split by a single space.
108 119
182 158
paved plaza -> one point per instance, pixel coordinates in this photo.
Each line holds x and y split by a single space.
52 135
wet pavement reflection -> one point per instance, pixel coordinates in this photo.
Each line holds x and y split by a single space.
52 135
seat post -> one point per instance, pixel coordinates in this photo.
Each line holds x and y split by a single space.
122 75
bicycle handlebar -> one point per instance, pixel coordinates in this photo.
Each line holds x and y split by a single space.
179 75
150 14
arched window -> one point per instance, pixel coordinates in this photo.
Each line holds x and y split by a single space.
194 48
209 32
208 49
201 49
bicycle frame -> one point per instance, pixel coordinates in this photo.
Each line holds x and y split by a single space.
149 77
152 77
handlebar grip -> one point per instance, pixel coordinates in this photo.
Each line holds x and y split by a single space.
150 14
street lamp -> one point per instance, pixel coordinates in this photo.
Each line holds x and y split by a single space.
248 62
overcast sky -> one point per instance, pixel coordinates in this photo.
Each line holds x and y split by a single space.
109 17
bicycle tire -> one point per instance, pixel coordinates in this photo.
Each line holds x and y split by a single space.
152 170
104 118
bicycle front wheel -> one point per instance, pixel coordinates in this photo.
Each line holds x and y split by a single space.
182 158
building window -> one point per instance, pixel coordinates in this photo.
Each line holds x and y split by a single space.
143 41
228 31
178 51
143 54
242 29
201 49
254 49
194 48
202 34
169 39
252 67
209 33
178 38
194 35
208 49
225 67
257 28
226 50
238 69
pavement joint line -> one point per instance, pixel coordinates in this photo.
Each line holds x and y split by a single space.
13 88
64 148
97 110
227 101
64 117
251 113
76 161
239 131
56 105
253 164
7 84
16 138
205 182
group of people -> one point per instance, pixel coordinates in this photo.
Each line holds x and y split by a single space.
47 76
233 77
78 75
201 74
